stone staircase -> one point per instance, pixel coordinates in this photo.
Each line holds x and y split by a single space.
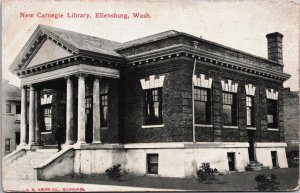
256 166
22 167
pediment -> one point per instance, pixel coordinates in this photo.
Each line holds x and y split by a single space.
49 51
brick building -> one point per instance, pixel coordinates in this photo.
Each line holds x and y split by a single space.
151 104
11 113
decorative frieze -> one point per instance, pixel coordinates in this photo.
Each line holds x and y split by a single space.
271 94
250 89
229 86
202 81
153 81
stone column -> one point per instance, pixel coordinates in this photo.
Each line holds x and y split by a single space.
96 111
37 106
81 109
31 116
70 115
23 115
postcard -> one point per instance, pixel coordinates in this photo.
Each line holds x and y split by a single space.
150 95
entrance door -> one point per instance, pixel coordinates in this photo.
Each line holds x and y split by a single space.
274 158
89 119
251 140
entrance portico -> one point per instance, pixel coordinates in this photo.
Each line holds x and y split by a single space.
79 74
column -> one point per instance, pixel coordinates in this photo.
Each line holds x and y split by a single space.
81 109
96 111
31 116
69 117
37 111
23 115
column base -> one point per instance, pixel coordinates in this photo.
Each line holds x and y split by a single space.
96 142
22 145
69 142
79 144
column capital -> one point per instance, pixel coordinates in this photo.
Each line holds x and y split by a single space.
31 87
81 74
68 77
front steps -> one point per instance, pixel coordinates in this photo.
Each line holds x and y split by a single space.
22 167
256 166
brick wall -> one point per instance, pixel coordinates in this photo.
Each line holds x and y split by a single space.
291 118
177 104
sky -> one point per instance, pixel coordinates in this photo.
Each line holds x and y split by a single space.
239 24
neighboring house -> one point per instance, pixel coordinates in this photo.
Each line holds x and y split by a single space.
11 114
170 100
291 119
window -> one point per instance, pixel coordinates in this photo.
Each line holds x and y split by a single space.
272 113
18 109
229 113
88 102
48 118
153 106
104 109
152 163
250 111
8 108
7 144
202 106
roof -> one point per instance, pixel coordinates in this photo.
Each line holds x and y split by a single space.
77 41
147 39
82 41
10 92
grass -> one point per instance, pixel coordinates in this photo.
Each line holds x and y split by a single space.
238 181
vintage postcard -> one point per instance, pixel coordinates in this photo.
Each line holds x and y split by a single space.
150 95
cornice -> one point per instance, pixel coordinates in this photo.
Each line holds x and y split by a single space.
182 50
63 62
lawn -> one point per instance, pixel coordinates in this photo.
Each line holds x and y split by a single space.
238 181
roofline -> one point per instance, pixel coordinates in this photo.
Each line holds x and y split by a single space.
199 39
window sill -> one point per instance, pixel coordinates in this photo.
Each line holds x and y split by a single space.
103 128
273 129
152 126
230 127
203 125
251 128
46 132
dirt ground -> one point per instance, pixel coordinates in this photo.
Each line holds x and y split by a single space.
238 181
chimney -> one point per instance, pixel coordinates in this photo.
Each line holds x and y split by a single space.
275 47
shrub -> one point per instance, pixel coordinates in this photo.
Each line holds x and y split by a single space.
206 173
114 172
266 183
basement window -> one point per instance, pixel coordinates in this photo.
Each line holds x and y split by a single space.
152 163
274 158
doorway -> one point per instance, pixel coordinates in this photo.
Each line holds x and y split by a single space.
274 158
251 141
231 161
89 119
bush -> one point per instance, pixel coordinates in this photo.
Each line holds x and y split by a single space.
266 183
114 172
206 173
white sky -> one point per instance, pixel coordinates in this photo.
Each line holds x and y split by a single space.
237 24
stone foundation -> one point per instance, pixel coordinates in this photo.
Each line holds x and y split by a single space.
174 159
